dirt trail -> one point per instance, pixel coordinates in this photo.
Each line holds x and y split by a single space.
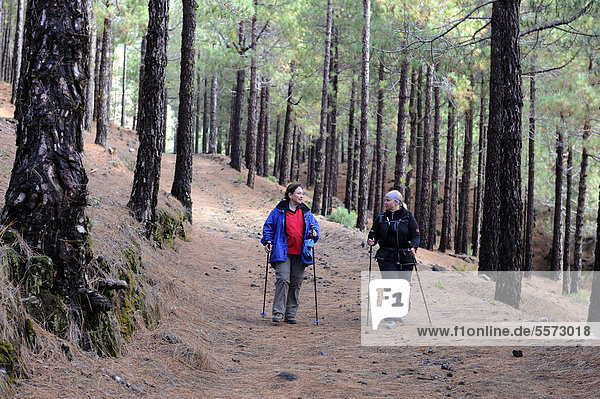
211 341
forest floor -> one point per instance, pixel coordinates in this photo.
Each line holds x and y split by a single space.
211 341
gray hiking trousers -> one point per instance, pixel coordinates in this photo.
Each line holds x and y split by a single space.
289 276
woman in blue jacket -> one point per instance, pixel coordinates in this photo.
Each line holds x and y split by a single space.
284 232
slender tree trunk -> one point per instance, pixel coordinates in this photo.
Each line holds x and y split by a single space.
182 181
293 153
556 251
277 146
577 250
445 239
252 107
435 172
333 105
426 163
266 130
18 49
372 179
151 128
361 220
140 87
403 98
350 164
212 138
378 158
356 167
260 133
505 84
236 138
89 109
567 243
461 239
480 173
530 212
286 152
413 137
205 117
419 148
6 56
594 309
103 92
319 169
124 84
197 113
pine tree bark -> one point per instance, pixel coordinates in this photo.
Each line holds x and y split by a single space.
182 181
266 130
419 148
403 98
89 109
505 85
320 154
556 250
124 85
435 171
356 167
197 112
594 309
361 220
350 164
447 220
567 243
480 173
236 131
577 249
413 137
205 117
252 108
286 152
140 108
277 145
18 49
260 132
333 105
377 199
530 210
212 137
151 128
425 196
461 239
103 92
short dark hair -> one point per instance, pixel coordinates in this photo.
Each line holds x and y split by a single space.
291 189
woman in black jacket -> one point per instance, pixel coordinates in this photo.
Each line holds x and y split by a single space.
397 233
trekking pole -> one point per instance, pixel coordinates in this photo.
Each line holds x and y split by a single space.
368 292
421 287
315 281
263 313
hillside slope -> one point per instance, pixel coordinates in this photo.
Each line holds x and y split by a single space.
211 341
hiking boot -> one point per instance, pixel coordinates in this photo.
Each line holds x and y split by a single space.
291 320
277 318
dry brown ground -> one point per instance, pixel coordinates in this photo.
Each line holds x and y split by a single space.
211 297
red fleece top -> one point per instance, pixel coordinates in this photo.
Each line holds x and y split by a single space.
294 231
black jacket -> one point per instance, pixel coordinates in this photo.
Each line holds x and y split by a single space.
395 232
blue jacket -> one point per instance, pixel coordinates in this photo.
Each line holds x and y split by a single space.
274 230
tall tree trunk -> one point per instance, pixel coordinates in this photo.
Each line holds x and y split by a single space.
6 56
480 173
277 145
567 243
372 179
350 165
205 117
461 239
403 97
260 145
286 152
377 199
124 84
419 148
236 131
447 221
252 107
413 137
530 211
361 220
293 153
103 92
505 84
182 181
435 172
356 167
140 87
197 113
151 128
333 105
319 168
594 309
556 250
18 49
212 137
90 90
576 275
426 163
266 130
46 196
